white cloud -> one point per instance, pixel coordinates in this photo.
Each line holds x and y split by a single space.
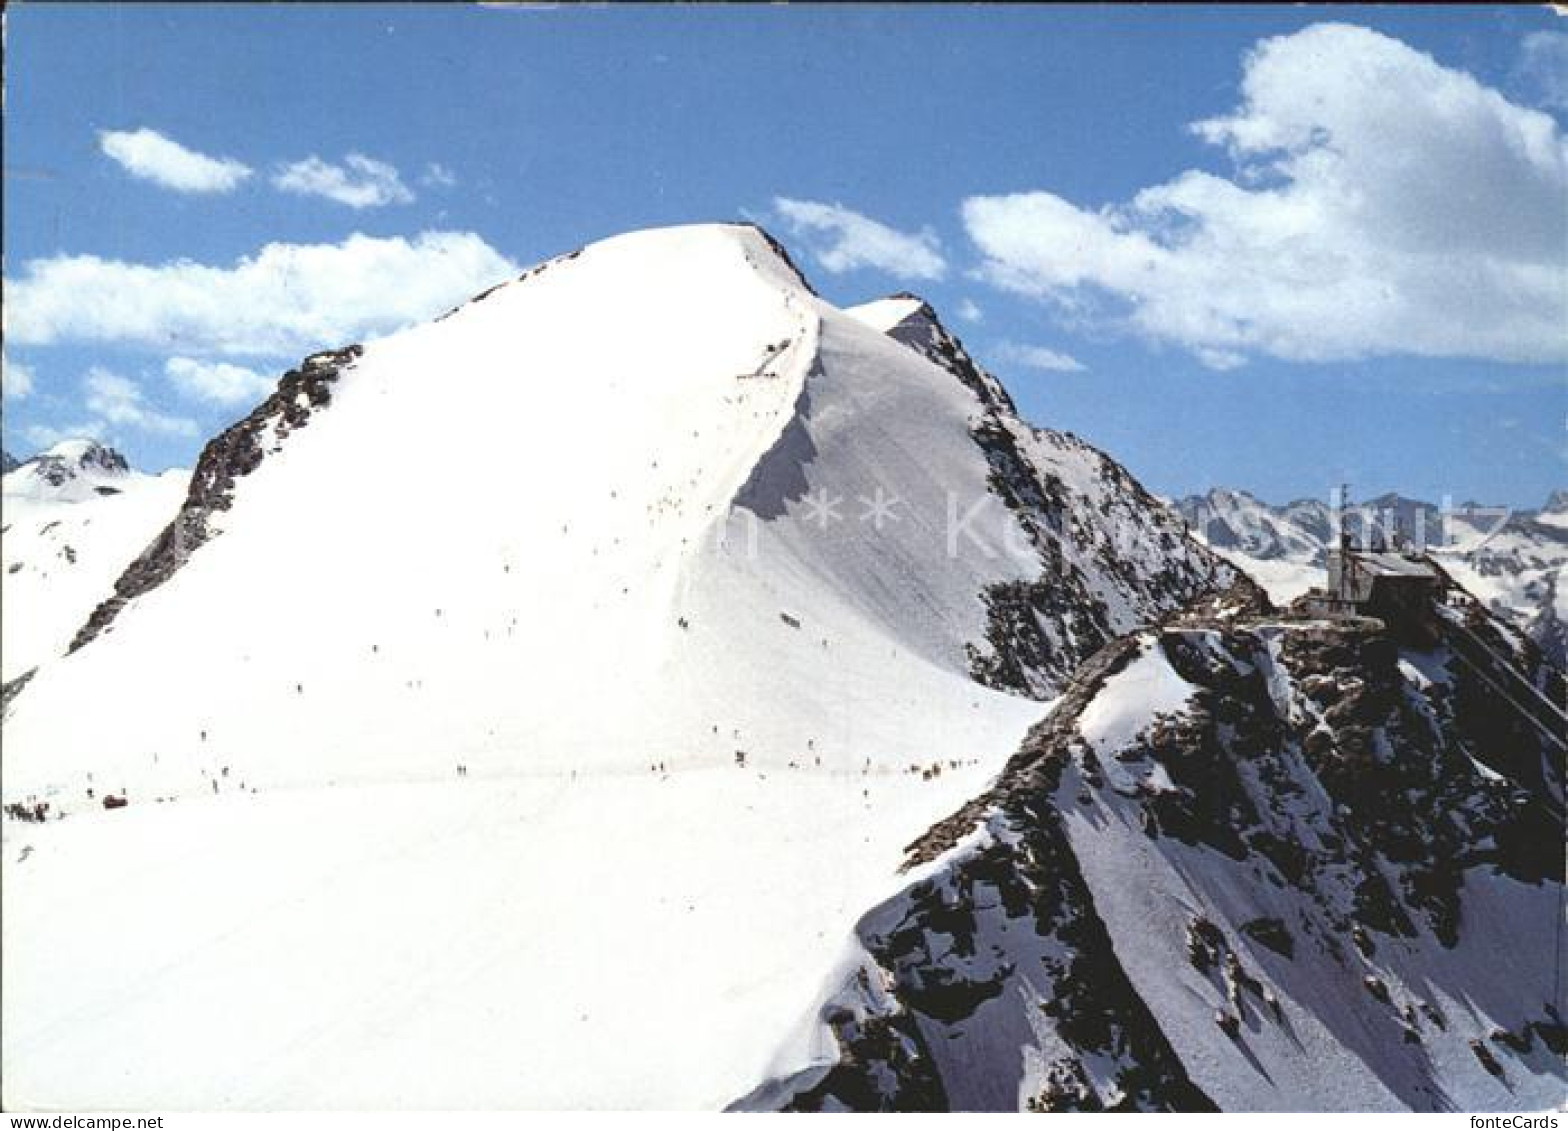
286 300
1543 62
360 182
1038 357
150 156
438 175
1382 204
1220 361
842 240
970 311
16 379
217 381
118 401
42 436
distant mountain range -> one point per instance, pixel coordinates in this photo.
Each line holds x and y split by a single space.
1515 561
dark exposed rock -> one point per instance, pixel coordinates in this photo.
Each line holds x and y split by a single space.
1273 934
930 944
923 332
28 812
1553 1034
1488 1061
1067 1088
57 470
1205 945
929 940
1022 657
532 272
1370 830
1105 545
13 687
1521 1042
884 1066
1027 771
234 453
780 251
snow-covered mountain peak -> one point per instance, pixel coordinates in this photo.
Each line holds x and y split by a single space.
885 314
729 566
629 725
69 471
86 453
909 319
674 257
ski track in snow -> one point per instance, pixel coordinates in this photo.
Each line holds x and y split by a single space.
636 941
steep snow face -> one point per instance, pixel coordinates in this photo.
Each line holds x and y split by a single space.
1195 887
1106 555
72 518
621 422
673 466
665 649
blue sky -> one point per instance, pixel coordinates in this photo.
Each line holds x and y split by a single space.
1354 270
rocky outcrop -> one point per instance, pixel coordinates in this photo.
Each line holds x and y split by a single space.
13 687
1238 838
1112 557
71 460
779 250
923 332
230 456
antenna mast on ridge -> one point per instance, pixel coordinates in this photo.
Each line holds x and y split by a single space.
1344 524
